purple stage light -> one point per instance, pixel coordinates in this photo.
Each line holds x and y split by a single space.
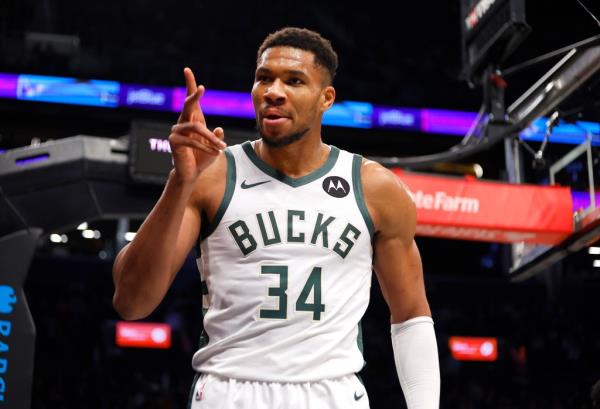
581 200
222 103
442 121
32 159
8 85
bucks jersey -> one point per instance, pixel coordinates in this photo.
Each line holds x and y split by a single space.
286 272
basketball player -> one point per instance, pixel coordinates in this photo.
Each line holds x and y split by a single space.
289 230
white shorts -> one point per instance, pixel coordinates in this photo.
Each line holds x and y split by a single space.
214 392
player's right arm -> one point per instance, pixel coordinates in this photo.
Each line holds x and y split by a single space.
144 269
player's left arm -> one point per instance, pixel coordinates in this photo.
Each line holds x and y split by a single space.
398 267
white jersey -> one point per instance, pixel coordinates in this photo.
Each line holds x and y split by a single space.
286 272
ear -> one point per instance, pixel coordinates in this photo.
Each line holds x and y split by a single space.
327 97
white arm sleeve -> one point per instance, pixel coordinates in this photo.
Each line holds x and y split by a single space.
416 357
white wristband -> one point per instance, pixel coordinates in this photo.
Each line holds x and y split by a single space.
416 357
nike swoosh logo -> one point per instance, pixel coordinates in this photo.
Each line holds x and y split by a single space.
245 185
357 397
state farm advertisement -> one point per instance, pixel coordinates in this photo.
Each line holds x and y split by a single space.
469 209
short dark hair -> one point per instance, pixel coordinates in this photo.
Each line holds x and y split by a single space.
307 40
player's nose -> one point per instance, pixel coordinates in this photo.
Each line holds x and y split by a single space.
275 93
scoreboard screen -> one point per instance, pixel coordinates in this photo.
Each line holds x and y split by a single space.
149 152
491 31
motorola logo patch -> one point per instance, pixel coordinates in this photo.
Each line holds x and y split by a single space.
336 186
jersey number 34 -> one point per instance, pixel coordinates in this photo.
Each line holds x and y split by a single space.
313 284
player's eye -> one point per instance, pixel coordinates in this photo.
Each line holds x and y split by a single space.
262 78
295 81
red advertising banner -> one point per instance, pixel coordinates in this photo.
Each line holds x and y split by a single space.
473 348
143 335
470 209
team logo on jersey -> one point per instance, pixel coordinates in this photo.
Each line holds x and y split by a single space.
336 186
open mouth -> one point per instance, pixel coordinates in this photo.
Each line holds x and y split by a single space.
274 119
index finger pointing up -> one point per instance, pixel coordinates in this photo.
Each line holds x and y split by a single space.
190 81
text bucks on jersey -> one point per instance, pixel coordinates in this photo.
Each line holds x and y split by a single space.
315 228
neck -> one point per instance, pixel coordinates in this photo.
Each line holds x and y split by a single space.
297 159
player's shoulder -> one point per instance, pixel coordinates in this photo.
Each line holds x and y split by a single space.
381 181
388 199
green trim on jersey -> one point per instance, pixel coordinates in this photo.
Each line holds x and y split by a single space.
202 343
203 340
275 174
229 188
358 194
359 339
360 344
192 389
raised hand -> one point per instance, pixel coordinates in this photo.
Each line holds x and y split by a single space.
193 146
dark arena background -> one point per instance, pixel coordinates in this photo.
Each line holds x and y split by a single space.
492 100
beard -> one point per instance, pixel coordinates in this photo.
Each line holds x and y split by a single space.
278 142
